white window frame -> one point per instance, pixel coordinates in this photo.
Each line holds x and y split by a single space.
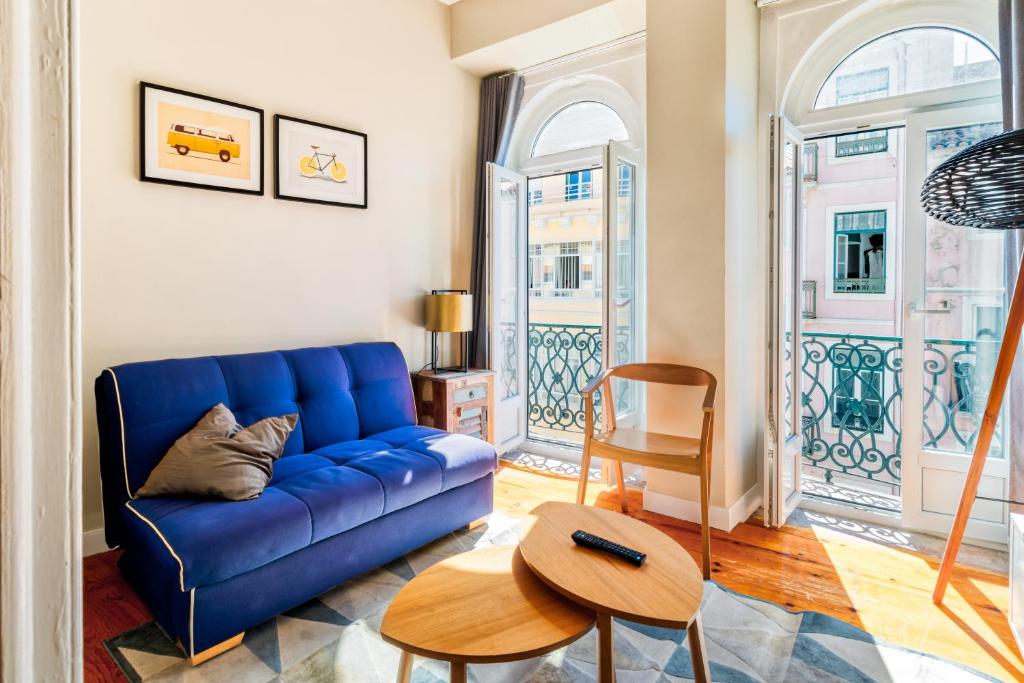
973 17
548 101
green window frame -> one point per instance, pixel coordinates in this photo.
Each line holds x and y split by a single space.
856 144
858 235
857 399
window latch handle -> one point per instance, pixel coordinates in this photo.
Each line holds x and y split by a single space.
919 311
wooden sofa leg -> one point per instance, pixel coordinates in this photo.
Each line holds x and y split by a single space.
213 651
475 523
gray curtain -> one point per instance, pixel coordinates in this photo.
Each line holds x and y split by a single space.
500 97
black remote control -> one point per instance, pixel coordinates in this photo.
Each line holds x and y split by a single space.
604 545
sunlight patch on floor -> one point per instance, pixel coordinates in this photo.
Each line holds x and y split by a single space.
864 563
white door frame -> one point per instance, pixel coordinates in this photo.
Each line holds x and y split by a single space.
601 157
40 385
950 468
782 447
900 112
510 418
614 152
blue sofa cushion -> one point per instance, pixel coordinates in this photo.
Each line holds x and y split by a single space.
381 387
462 458
311 497
297 464
260 385
400 436
341 453
338 498
405 476
323 389
213 540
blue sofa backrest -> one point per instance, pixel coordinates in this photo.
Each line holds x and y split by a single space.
340 393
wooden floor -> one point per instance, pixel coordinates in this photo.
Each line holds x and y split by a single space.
837 569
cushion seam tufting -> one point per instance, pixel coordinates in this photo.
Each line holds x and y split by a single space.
309 512
224 378
381 482
295 398
351 389
312 522
299 474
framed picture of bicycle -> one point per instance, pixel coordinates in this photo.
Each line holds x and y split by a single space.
199 141
319 163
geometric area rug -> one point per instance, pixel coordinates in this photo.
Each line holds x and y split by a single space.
335 637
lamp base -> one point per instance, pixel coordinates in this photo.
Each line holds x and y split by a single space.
463 354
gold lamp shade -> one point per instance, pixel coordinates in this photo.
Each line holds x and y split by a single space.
449 312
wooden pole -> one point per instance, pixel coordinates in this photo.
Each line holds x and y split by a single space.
1004 366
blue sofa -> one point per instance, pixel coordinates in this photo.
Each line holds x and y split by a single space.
359 484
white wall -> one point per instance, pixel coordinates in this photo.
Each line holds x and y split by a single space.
745 272
705 275
171 271
493 35
705 270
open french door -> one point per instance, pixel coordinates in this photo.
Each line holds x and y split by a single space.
622 328
506 303
783 435
954 314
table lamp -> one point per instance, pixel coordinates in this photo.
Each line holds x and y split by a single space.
450 310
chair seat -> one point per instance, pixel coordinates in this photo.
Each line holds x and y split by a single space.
663 451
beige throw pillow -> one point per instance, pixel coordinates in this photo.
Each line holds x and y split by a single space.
219 458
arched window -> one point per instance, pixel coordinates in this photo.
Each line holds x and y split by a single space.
577 126
908 61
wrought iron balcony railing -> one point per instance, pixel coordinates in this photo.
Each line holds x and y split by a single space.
562 360
852 395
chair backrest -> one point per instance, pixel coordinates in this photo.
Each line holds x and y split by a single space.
670 373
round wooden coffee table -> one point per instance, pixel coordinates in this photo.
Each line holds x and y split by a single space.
666 591
483 606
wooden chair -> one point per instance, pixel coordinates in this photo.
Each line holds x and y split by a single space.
650 449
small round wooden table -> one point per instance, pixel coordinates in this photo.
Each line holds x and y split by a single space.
480 607
666 591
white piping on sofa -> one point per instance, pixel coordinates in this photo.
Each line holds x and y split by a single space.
120 415
170 549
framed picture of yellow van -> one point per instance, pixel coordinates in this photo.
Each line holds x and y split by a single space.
199 141
319 163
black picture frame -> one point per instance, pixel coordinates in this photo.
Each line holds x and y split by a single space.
278 167
261 148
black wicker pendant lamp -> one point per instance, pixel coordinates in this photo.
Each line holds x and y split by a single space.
982 187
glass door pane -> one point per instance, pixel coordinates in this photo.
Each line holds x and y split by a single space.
623 265
953 325
782 475
789 208
565 284
507 303
964 290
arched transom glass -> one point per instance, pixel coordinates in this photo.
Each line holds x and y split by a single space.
908 61
577 126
